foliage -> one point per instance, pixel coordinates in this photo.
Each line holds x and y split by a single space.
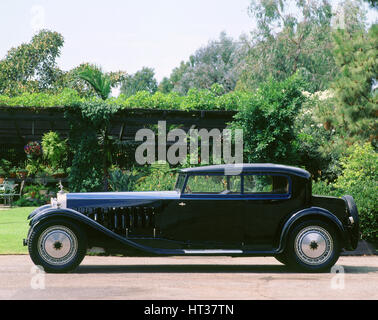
291 36
32 66
197 99
97 79
142 80
120 180
90 145
33 195
215 63
5 167
267 120
359 179
356 53
372 3
86 170
54 150
67 97
317 154
165 85
83 89
159 177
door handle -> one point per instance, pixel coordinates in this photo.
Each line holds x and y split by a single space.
182 204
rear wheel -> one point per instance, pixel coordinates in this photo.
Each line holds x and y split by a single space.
313 246
57 245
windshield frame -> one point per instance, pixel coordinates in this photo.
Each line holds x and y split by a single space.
180 182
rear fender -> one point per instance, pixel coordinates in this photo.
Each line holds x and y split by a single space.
311 213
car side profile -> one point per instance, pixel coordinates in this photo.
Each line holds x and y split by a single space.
243 211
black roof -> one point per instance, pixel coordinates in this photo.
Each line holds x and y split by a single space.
249 167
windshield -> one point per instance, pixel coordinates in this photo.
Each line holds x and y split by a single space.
180 182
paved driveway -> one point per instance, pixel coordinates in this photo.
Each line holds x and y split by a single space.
188 278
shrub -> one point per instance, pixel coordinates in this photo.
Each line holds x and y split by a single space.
32 196
267 121
358 179
123 180
91 146
195 100
159 177
67 97
54 149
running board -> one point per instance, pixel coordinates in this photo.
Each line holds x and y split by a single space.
212 251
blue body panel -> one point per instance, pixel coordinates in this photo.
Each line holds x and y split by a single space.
118 199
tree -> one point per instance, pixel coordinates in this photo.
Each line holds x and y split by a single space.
268 119
373 3
142 80
97 79
32 66
98 115
165 85
215 63
290 36
356 53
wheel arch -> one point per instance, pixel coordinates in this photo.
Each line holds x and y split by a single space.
313 213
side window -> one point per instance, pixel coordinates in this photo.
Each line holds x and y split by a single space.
266 184
213 184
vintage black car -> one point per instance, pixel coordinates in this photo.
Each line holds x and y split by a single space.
253 210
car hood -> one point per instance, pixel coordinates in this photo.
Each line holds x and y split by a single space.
113 199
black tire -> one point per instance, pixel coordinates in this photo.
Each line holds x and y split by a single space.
57 245
313 246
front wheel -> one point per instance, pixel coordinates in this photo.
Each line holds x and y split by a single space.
57 245
313 246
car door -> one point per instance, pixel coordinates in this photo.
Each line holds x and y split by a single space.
208 214
268 202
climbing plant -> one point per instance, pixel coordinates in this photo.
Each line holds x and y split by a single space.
90 145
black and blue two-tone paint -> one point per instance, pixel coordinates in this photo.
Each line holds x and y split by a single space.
237 218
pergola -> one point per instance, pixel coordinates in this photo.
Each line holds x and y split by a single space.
19 125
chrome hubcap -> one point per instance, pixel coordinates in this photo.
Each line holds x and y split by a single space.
313 245
57 245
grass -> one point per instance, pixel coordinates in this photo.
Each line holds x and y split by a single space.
13 228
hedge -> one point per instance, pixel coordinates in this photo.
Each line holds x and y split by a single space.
195 100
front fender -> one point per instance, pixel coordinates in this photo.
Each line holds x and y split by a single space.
48 213
312 212
38 210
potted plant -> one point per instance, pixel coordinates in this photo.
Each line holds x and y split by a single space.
59 173
33 150
22 173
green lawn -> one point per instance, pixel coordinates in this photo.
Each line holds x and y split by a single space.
13 228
